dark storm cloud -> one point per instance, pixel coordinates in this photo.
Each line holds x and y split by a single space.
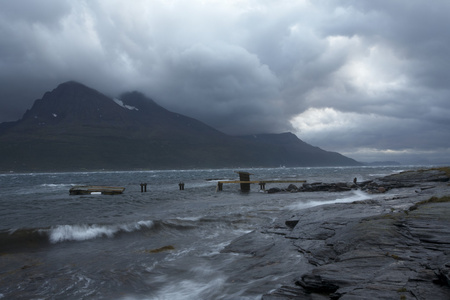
223 85
365 77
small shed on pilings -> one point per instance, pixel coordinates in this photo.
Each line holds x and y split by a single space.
244 176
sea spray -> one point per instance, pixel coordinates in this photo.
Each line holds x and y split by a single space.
355 196
197 282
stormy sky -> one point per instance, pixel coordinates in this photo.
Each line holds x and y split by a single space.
369 79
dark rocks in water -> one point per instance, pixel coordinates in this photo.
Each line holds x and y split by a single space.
396 181
327 187
292 188
315 187
273 190
162 249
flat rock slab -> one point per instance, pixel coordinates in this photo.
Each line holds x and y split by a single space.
402 255
384 257
263 257
430 175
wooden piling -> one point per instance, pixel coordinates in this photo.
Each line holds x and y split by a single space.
262 186
143 187
181 186
244 176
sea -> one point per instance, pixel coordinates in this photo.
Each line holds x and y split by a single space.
164 243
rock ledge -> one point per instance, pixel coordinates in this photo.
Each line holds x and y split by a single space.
394 248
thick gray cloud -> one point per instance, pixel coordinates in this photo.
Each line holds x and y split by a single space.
365 78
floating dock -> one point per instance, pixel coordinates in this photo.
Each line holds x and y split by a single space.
88 190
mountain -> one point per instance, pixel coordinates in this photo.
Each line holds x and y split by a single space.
75 127
291 151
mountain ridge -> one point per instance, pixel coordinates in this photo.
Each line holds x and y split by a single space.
75 127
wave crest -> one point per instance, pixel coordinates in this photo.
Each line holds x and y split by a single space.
83 232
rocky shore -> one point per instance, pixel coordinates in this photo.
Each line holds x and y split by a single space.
392 247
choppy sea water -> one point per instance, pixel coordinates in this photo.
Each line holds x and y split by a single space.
161 244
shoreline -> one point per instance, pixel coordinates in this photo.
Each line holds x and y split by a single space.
395 247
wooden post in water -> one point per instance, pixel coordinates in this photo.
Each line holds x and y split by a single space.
181 185
244 176
143 187
262 186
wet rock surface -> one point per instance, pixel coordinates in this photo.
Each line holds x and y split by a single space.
396 247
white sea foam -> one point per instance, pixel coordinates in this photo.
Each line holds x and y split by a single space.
206 285
189 218
84 232
55 187
356 196
55 184
216 249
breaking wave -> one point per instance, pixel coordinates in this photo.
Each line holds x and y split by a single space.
83 232
34 237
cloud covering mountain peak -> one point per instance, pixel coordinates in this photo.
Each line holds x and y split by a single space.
248 66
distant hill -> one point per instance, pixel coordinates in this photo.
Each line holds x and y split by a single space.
287 149
75 127
382 163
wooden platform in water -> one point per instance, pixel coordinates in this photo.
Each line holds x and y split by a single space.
262 183
89 189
